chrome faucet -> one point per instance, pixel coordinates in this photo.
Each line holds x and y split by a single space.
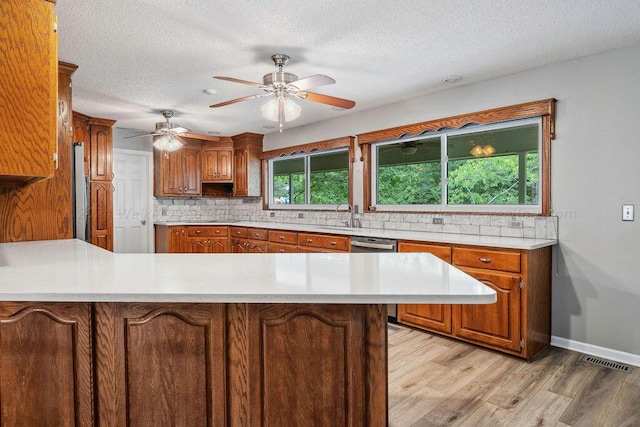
352 222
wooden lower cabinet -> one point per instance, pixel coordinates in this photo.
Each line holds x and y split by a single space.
46 364
496 324
519 323
101 217
160 364
193 364
434 317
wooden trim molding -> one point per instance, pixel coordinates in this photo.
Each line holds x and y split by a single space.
345 141
542 108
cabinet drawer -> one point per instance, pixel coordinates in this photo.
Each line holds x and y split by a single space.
257 234
485 258
238 232
442 252
206 231
290 237
340 243
282 248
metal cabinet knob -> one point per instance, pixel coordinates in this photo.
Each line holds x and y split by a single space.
485 260
198 231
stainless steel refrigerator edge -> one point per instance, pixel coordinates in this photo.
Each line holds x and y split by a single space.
80 194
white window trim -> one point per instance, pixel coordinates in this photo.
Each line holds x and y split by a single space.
444 206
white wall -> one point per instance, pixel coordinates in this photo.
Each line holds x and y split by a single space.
595 156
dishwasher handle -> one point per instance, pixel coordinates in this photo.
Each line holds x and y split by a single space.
382 246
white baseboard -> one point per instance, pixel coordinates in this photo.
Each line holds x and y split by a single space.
594 350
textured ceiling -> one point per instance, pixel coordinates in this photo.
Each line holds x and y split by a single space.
137 57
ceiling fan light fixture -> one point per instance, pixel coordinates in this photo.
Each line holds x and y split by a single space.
480 151
291 109
408 150
167 143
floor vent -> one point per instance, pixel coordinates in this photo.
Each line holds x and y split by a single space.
393 328
606 363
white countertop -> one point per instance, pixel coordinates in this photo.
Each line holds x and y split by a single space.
451 238
72 270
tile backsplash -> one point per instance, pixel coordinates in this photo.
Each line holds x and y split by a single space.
250 209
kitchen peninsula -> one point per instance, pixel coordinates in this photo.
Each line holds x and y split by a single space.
89 337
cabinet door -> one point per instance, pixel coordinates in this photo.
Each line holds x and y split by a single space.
308 365
239 245
240 173
218 246
209 165
217 165
160 365
496 324
225 165
28 98
192 182
46 364
171 173
435 317
197 245
101 233
101 148
257 246
177 240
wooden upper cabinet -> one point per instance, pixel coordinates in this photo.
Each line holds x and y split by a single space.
217 165
28 99
247 171
101 150
178 173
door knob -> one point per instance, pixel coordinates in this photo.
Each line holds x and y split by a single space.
144 222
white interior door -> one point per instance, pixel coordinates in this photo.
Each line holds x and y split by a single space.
132 201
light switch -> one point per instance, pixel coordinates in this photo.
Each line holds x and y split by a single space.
627 212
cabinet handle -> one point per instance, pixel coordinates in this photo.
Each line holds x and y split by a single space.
309 240
281 250
333 243
238 233
485 260
257 234
198 231
217 231
281 237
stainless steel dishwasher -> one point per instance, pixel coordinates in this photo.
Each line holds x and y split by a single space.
375 244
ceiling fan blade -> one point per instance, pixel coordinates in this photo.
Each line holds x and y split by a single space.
244 82
143 135
199 136
244 98
313 81
326 99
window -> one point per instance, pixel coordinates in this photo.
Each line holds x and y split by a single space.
480 168
317 179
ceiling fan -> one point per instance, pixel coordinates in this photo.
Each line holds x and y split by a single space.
168 136
407 148
283 87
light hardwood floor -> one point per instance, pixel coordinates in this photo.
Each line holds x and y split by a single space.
436 381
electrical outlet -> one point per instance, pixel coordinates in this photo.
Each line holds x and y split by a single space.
515 224
438 221
356 209
627 212
164 211
272 214
300 215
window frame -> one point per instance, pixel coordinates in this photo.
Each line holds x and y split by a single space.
543 109
444 205
305 150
